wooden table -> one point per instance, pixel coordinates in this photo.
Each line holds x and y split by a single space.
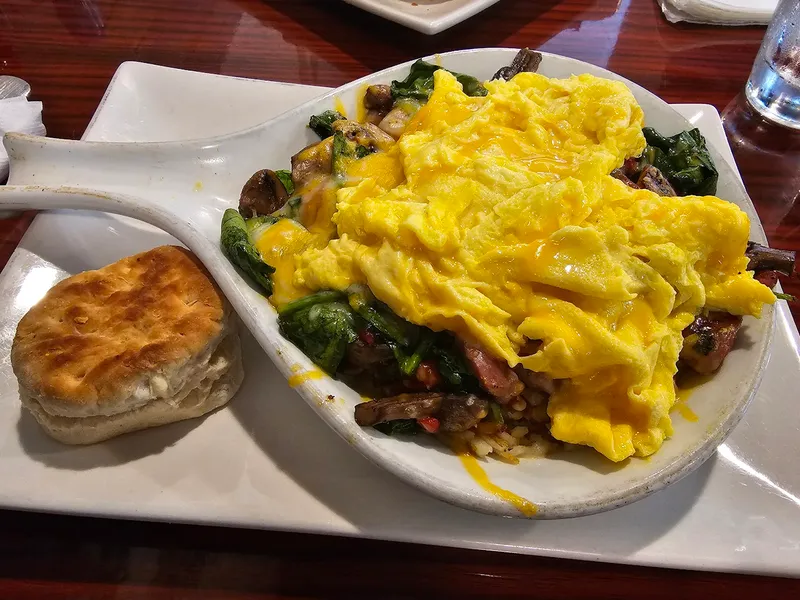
68 50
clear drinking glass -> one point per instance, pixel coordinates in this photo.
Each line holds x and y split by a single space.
774 85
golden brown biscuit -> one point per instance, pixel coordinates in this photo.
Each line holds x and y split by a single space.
135 343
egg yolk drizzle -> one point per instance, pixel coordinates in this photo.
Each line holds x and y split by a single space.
474 469
301 377
687 387
495 218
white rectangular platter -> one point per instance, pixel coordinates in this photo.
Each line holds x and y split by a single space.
266 460
427 16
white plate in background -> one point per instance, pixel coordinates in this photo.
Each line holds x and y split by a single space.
740 511
427 16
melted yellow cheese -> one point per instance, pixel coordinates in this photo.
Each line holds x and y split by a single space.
301 378
339 106
495 218
279 245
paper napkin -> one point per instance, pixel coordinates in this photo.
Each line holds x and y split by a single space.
719 12
17 114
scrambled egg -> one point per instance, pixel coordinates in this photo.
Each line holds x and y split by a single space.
495 218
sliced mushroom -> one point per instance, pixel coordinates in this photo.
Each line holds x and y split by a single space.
378 97
530 347
526 61
537 381
312 163
374 117
360 356
403 406
263 194
461 413
454 412
376 381
654 180
620 174
395 122
630 168
763 258
364 134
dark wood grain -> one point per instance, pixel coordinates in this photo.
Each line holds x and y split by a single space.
69 49
93 558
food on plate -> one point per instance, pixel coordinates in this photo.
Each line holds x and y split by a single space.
526 61
510 264
265 192
239 249
768 263
675 166
145 341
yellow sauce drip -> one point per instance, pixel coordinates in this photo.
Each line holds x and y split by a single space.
198 185
681 405
300 378
688 385
475 471
686 412
361 110
339 106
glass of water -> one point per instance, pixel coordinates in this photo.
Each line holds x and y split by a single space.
774 85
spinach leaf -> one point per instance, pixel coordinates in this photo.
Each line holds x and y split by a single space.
324 323
408 363
381 317
399 427
258 225
342 156
290 210
320 327
453 366
362 151
344 152
286 179
419 83
307 301
238 247
322 124
411 344
683 159
257 222
495 414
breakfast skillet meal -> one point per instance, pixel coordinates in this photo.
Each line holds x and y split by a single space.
508 265
511 266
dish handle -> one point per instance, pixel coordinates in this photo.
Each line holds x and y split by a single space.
146 166
16 198
141 180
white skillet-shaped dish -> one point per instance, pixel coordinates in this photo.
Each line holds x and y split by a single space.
184 187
